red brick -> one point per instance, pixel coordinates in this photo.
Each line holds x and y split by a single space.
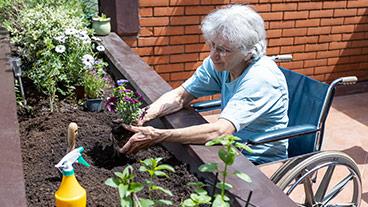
342 29
316 47
263 7
271 33
314 63
203 55
214 2
168 11
154 21
292 49
334 4
195 10
356 20
147 3
294 32
357 3
154 60
181 2
192 65
163 31
319 30
304 40
333 61
309 5
175 84
284 7
169 68
272 16
345 12
304 56
332 21
305 71
296 15
146 31
280 41
143 51
180 76
169 50
145 12
273 50
321 13
185 39
327 54
361 28
359 43
362 11
307 23
196 48
194 29
184 58
318 77
351 51
242 1
323 70
185 20
282 24
151 41
293 65
337 45
329 38
132 42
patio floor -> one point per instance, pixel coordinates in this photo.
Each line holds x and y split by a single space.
346 131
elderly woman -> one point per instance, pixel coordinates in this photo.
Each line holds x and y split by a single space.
254 96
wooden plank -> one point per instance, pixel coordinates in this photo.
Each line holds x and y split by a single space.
12 187
152 86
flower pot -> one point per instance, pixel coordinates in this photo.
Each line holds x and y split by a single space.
101 27
94 105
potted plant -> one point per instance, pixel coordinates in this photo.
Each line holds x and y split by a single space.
101 25
126 103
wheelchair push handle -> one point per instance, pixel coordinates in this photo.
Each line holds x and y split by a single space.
349 80
282 58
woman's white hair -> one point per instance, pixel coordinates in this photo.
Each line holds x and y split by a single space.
241 25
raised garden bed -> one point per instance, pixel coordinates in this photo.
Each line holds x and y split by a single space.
151 86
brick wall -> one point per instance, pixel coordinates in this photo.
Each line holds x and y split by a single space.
328 39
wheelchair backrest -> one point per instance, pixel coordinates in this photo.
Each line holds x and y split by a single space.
306 98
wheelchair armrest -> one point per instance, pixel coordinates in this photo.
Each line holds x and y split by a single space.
207 105
286 133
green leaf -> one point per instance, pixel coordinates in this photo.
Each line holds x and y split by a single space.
120 175
243 176
110 182
200 199
197 184
226 186
126 202
143 169
168 192
123 191
212 142
243 147
135 187
160 174
165 167
164 202
188 203
208 167
218 202
146 202
227 156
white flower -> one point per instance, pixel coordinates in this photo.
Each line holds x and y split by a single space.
61 38
83 32
83 37
60 48
88 61
96 39
100 48
70 31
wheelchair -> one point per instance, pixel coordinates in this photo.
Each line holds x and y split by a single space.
308 170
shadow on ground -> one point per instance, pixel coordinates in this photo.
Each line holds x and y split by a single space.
358 154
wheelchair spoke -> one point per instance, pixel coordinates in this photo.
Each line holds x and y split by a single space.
337 189
322 188
309 195
342 205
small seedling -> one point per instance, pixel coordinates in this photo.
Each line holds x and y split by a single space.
154 169
199 197
227 154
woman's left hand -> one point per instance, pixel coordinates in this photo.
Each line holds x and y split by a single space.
144 137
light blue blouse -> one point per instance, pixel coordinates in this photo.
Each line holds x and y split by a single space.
255 102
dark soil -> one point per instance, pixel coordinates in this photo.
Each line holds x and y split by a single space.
44 143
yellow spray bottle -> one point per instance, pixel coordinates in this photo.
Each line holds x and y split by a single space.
70 192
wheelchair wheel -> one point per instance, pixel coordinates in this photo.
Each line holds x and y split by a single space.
323 179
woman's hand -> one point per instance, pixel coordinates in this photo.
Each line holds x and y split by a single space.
144 137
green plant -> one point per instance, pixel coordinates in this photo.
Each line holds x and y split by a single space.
102 17
227 154
154 169
124 182
94 85
198 197
125 102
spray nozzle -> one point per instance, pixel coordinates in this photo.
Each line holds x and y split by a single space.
66 164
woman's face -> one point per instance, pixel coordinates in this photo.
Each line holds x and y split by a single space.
226 57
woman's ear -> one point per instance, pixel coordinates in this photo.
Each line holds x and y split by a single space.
248 56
